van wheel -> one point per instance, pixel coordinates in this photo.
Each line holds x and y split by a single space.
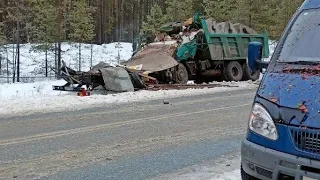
181 74
245 176
234 71
248 75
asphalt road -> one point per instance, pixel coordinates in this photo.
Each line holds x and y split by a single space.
132 141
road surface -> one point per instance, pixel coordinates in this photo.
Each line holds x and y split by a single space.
147 140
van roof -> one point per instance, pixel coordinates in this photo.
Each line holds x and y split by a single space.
310 4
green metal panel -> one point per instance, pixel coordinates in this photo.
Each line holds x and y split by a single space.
186 51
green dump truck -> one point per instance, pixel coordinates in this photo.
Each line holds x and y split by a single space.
197 49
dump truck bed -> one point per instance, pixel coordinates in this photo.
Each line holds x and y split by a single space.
227 41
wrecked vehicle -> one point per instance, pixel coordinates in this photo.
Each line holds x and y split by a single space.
116 79
197 49
283 136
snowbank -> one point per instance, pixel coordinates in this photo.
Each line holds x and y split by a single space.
38 97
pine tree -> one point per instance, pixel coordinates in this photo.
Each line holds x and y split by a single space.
81 24
283 15
44 24
220 10
178 10
154 21
242 13
43 29
2 48
2 37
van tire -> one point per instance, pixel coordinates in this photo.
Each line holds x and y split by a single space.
248 75
245 176
234 71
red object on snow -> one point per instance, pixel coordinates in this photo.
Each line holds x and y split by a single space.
83 92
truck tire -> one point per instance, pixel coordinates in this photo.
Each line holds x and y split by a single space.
245 176
234 71
248 75
181 74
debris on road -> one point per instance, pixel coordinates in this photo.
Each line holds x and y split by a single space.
117 79
165 102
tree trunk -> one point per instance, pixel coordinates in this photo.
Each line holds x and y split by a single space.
0 64
56 59
99 21
79 56
7 63
91 55
18 52
59 59
13 64
46 60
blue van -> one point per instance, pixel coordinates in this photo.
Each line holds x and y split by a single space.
283 137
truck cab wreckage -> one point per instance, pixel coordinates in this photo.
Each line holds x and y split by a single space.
198 49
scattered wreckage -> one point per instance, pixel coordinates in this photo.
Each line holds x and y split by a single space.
197 49
117 79
114 79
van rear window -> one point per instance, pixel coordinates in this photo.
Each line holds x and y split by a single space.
303 41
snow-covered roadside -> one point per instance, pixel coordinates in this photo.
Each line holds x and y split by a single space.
38 97
29 90
224 168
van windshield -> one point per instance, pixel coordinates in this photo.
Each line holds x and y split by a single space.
303 41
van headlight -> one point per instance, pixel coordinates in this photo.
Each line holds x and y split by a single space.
261 122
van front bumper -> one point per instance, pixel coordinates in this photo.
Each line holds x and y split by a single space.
264 163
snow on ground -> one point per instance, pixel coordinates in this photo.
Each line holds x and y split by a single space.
225 167
38 97
29 90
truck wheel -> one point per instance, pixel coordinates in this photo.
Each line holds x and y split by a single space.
181 75
245 176
248 75
234 71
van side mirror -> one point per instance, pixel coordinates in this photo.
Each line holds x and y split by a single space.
254 60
